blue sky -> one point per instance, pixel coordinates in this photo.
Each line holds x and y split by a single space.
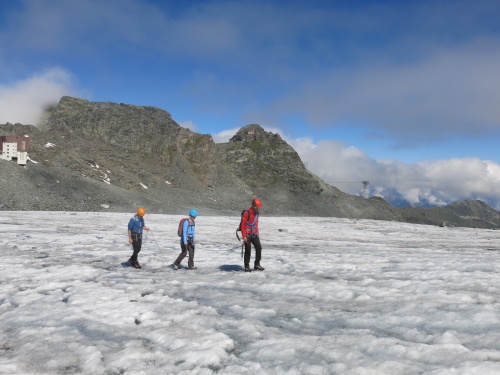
403 94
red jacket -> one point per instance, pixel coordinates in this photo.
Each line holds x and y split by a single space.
249 223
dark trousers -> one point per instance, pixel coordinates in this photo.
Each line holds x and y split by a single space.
185 250
136 245
248 250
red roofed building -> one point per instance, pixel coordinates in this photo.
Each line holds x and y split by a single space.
15 147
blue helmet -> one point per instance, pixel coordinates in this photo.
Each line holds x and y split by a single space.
193 213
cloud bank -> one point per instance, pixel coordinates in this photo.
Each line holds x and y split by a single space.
448 94
425 183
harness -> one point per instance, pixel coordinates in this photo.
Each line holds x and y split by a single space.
137 223
190 225
190 228
252 225
136 236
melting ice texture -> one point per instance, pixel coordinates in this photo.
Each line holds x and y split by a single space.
338 296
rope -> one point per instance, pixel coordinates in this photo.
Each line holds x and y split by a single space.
231 249
156 242
166 260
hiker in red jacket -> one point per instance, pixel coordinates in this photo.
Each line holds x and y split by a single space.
250 233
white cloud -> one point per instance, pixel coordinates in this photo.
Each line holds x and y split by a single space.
24 101
464 177
334 162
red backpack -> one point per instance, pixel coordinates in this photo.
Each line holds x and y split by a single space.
181 226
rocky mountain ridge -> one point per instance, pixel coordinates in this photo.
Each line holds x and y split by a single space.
97 156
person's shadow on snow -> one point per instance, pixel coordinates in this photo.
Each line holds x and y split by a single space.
231 268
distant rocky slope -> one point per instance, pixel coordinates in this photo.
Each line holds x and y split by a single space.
115 157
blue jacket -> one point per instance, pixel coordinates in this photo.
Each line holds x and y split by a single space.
136 224
187 231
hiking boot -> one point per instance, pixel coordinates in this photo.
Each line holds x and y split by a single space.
247 268
193 268
137 265
175 266
258 267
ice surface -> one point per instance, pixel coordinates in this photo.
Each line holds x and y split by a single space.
338 296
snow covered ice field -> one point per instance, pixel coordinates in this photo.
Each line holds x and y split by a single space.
338 296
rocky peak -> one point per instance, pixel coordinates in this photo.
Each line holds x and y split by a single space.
132 127
254 132
263 158
262 143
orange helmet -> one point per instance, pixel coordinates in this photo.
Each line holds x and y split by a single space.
257 203
141 212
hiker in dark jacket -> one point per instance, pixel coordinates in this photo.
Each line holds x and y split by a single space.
135 227
187 241
250 233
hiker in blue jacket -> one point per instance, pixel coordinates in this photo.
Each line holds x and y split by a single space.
187 241
135 227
